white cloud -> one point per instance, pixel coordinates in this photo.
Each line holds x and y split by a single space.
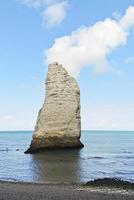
89 46
32 3
127 21
53 12
20 122
8 117
108 117
116 15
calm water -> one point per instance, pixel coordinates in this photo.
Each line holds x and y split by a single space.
106 154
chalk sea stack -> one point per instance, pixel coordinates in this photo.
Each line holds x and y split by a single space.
59 123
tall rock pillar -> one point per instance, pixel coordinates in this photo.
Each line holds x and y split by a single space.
59 122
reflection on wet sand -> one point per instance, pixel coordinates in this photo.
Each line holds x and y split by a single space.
57 165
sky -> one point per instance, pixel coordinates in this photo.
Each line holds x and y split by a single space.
94 40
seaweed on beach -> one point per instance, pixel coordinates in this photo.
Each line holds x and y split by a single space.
111 182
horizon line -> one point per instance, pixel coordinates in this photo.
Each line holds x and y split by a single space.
81 130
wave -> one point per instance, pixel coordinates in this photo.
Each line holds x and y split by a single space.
124 156
95 157
7 149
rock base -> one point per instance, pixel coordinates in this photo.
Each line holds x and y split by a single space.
40 145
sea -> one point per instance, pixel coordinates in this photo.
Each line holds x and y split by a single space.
106 154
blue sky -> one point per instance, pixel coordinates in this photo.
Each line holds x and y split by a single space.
29 29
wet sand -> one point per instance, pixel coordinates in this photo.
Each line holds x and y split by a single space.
26 191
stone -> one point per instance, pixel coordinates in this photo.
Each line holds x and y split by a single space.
59 123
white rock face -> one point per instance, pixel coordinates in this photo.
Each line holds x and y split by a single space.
59 122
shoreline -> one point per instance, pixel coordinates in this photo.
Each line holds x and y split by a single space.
58 191
97 183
